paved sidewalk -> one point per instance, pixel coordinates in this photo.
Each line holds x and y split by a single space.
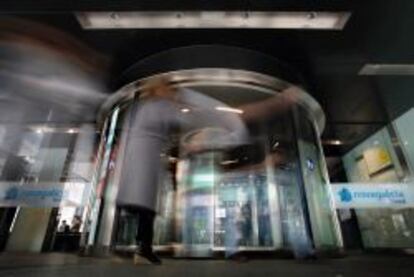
62 265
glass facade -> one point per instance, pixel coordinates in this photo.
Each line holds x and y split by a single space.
324 225
385 157
41 165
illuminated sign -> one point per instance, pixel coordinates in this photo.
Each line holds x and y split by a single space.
363 195
42 194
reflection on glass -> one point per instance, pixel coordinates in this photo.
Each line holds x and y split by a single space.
236 180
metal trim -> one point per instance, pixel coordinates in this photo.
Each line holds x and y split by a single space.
218 77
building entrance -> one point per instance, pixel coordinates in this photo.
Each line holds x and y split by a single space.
241 168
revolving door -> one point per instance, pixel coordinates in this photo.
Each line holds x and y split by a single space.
244 172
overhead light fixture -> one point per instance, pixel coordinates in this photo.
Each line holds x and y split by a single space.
229 162
185 110
333 142
228 109
387 69
213 19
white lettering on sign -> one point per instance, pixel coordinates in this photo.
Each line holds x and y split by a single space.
43 194
363 195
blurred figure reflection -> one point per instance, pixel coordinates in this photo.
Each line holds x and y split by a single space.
48 80
47 75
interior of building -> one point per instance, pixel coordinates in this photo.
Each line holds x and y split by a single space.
246 168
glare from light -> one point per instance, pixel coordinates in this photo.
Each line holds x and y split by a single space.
203 178
39 131
387 69
228 109
185 110
213 19
333 142
228 162
71 131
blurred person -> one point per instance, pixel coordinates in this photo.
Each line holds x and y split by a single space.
149 127
153 119
76 224
46 75
279 104
238 230
64 227
233 235
295 234
245 224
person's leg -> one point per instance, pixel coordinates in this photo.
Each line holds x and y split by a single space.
144 237
145 232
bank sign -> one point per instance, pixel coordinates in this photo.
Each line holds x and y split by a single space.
363 195
42 194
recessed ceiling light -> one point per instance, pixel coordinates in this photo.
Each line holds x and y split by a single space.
228 162
230 110
333 142
213 19
387 69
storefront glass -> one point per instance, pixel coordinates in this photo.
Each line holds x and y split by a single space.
376 160
46 170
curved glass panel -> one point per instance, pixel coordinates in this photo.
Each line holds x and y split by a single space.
219 162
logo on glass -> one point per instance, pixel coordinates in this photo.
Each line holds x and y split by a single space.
345 195
11 194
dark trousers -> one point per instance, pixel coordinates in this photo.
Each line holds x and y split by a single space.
145 228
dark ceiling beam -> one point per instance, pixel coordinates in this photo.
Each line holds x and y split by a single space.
15 6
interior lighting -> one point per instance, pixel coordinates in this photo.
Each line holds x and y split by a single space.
228 109
333 142
213 19
387 69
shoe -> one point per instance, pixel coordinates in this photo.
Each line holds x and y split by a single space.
146 258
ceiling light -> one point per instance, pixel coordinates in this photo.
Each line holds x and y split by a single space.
213 19
230 110
333 142
387 69
229 162
185 110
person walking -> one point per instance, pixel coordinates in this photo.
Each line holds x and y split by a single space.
159 113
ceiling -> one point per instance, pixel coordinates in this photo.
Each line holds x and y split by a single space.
379 31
